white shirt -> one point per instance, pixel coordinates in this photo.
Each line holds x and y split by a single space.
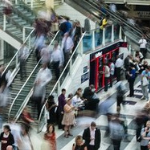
112 7
119 63
92 133
76 100
112 68
67 44
57 56
25 143
107 71
142 43
45 54
23 52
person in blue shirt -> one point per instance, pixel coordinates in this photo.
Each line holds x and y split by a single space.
68 25
131 79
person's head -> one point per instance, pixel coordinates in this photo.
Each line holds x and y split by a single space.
92 88
79 140
93 125
70 96
6 129
111 61
44 66
148 124
79 91
66 34
68 101
51 98
50 128
145 62
63 91
147 69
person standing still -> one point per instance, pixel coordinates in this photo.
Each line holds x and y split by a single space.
112 71
23 54
107 76
143 48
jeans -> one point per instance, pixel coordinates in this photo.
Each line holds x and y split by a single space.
145 91
106 84
116 144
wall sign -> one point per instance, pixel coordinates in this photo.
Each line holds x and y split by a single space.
84 77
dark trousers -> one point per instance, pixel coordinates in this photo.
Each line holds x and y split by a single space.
66 57
111 80
143 51
119 100
38 104
118 74
131 87
56 68
116 144
37 53
60 117
22 68
144 148
92 147
138 132
106 84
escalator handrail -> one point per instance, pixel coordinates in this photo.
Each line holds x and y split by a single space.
61 75
31 91
119 18
17 52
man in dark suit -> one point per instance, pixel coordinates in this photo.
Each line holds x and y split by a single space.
92 137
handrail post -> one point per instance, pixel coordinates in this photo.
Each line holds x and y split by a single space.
125 38
93 39
31 4
112 33
80 49
58 88
120 32
70 66
24 36
29 42
4 22
17 57
103 42
16 2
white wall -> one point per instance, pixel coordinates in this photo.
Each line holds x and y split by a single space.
69 11
74 82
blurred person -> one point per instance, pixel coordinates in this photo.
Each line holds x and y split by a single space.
67 46
60 110
51 107
145 136
79 144
139 55
113 7
45 54
39 44
73 30
92 137
24 142
62 25
43 77
143 44
131 79
143 66
104 22
145 77
127 64
26 116
68 118
6 138
68 24
23 55
7 9
116 132
112 72
87 26
57 59
118 67
3 79
50 136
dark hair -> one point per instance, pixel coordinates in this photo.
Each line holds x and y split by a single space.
63 90
48 126
70 95
93 124
51 97
7 127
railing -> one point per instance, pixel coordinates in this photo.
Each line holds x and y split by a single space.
26 100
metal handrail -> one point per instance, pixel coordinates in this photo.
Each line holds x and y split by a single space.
17 52
31 91
22 89
61 74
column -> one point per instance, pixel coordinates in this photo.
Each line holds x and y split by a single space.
1 50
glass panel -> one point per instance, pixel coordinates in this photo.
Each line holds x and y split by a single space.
116 31
108 32
87 42
98 37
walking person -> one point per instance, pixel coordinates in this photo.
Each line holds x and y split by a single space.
107 76
112 71
145 76
43 77
118 66
57 59
92 137
143 44
67 46
23 54
60 110
131 79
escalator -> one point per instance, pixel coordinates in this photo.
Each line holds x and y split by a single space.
93 8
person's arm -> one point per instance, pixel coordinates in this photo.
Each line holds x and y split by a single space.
73 147
85 148
140 41
11 139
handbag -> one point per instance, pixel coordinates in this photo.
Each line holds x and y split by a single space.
145 81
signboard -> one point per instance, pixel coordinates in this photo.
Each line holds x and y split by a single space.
84 77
